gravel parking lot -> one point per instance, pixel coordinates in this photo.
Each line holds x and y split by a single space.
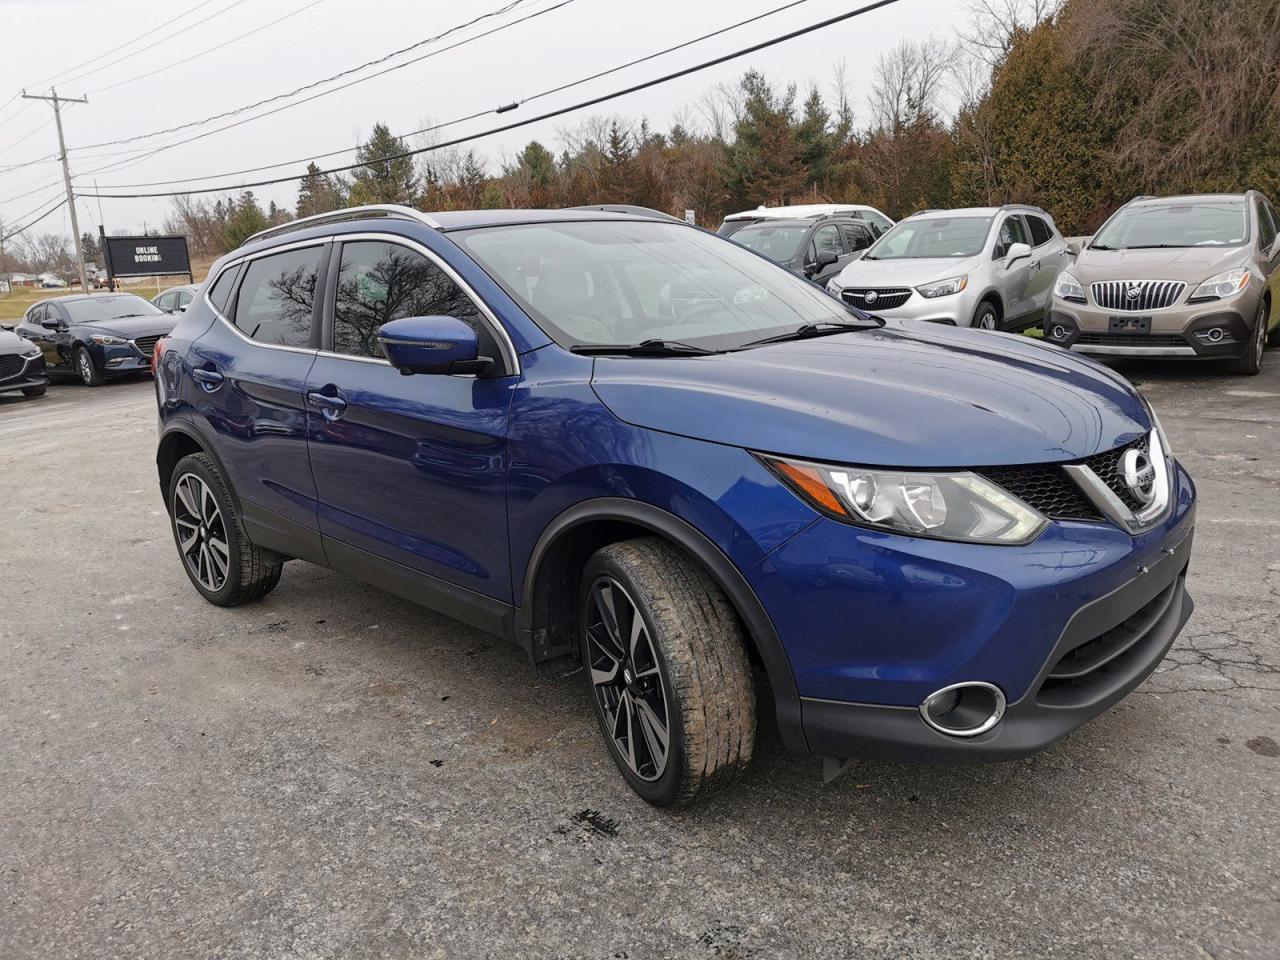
333 772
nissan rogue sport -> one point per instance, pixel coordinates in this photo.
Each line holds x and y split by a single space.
1175 277
653 457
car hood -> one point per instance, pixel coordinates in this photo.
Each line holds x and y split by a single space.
1192 265
903 395
904 273
10 342
145 326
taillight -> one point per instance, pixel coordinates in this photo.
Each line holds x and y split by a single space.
155 354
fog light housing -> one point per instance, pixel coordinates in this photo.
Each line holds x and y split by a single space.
964 709
1213 334
1058 332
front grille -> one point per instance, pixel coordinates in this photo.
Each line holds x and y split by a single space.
11 365
1137 295
1046 488
886 298
1107 467
1096 666
146 344
1131 340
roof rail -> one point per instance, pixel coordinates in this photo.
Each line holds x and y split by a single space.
1143 196
390 210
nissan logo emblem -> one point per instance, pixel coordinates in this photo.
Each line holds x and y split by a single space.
1139 475
871 296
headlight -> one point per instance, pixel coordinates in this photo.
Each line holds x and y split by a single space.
107 341
834 287
31 351
943 288
1069 288
1223 285
946 506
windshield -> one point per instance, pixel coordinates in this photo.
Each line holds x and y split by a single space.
776 243
102 309
932 237
1202 223
613 282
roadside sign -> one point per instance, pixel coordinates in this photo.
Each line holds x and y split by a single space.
146 256
689 218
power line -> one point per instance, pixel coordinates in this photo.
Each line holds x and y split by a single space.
449 123
164 39
512 4
193 56
27 226
142 36
580 105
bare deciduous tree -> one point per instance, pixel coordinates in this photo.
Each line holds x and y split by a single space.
993 25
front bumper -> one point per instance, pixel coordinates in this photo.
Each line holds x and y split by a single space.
116 360
32 374
873 623
1219 328
956 310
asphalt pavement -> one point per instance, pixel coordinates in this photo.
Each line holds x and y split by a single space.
336 773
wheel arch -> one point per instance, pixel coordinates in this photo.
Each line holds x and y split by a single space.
546 621
181 439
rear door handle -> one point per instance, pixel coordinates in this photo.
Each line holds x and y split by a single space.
209 380
331 407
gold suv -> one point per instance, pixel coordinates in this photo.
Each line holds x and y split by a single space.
1193 276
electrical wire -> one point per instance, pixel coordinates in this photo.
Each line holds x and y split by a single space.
449 123
580 105
508 7
194 56
28 226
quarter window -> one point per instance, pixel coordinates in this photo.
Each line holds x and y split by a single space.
221 289
380 282
277 297
1011 232
1266 229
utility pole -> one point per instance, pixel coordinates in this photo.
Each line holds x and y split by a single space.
66 173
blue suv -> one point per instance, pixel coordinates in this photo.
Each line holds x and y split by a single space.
648 454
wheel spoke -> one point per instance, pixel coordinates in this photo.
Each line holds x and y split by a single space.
184 494
208 506
628 708
655 730
191 538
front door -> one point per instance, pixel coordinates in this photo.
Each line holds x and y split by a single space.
408 469
54 341
1014 279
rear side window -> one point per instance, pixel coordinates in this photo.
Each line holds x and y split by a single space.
881 223
856 238
277 297
1040 231
380 282
221 288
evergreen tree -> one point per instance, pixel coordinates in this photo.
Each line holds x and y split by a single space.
317 193
764 163
383 179
246 219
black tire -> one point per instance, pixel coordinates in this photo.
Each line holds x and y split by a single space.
34 391
701 661
1249 363
87 370
247 573
986 317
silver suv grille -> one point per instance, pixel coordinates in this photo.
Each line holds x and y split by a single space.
1138 294
879 298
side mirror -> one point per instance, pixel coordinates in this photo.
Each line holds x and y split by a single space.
1017 251
1073 247
50 323
432 345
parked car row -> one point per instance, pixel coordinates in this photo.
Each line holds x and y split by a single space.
1191 276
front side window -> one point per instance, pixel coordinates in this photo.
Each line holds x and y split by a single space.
380 282
1192 223
164 301
1011 231
617 282
277 297
181 298
929 237
825 238
779 243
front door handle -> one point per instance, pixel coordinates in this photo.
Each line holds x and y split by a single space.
331 407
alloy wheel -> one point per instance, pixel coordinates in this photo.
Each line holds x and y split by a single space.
1260 334
202 535
86 368
626 679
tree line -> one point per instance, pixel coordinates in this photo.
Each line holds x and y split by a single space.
1073 105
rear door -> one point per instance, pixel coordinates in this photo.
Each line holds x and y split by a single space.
249 371
1269 249
410 470
1049 258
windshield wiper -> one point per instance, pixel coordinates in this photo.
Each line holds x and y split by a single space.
808 330
1159 246
1100 246
645 348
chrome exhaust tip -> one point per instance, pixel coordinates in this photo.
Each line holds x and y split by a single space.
964 709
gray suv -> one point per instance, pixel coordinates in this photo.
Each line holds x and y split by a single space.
1192 276
987 267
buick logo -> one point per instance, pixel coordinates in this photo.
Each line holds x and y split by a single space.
1139 475
1134 291
871 296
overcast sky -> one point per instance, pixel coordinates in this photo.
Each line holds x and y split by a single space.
46 37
